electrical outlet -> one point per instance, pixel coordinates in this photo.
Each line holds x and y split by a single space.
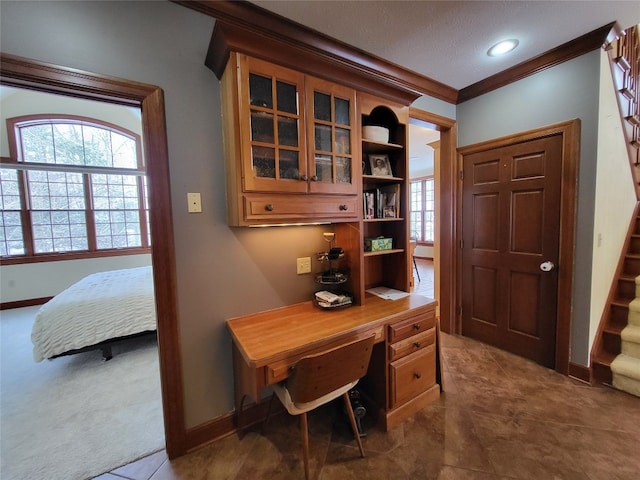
303 265
194 203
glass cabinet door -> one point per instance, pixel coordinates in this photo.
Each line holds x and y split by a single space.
274 152
331 137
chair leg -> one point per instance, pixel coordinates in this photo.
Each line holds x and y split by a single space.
352 419
266 420
305 444
416 267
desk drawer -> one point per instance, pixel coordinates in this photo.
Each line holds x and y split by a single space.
412 344
411 326
412 375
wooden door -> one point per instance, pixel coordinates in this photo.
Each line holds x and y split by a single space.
511 229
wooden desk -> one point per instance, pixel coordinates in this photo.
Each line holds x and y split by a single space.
401 376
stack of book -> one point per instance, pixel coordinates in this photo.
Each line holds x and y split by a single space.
327 299
383 202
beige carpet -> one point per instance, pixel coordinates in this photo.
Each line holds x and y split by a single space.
74 417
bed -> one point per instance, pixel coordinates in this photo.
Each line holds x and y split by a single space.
95 312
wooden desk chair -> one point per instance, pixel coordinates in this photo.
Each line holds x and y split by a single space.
320 378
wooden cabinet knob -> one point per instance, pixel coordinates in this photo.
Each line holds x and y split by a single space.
314 178
268 207
304 178
417 376
416 344
416 326
344 208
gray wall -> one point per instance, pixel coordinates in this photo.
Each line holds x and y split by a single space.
554 95
222 272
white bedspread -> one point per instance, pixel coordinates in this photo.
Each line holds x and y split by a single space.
99 307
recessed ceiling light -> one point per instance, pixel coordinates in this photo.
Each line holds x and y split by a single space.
500 48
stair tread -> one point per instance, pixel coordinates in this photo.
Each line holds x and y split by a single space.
627 366
631 333
634 305
624 302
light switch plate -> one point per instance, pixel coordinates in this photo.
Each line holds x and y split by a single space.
194 203
303 265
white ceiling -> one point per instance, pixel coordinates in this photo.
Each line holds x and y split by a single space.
448 40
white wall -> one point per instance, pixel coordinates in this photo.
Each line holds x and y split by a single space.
221 272
615 196
557 94
436 106
46 279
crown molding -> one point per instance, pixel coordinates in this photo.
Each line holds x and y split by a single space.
565 52
246 28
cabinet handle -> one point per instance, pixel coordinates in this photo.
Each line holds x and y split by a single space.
304 178
417 376
416 344
314 178
416 326
344 208
268 207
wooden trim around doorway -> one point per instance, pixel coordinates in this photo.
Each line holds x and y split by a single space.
570 132
44 77
445 175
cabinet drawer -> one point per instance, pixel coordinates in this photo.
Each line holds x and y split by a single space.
412 344
411 326
412 375
298 207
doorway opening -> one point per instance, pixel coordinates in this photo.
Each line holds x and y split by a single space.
424 152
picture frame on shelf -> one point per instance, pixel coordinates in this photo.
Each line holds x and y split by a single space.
380 165
390 211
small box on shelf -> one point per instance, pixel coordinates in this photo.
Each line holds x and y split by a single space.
378 244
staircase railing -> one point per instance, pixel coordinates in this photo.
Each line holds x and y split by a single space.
624 54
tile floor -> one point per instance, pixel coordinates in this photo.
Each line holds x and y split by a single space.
500 417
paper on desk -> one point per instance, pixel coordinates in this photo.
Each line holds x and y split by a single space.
387 293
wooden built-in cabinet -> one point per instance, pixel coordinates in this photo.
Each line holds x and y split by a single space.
290 145
403 372
295 153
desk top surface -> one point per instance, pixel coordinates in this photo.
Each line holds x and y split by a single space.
273 335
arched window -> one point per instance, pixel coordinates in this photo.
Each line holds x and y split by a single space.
74 186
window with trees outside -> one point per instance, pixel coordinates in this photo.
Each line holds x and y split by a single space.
71 186
422 220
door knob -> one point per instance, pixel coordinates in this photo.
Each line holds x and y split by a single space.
547 266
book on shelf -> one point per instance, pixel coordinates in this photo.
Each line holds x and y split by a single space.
383 202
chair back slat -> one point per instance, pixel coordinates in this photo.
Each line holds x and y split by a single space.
316 375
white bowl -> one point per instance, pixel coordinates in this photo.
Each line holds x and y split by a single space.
375 133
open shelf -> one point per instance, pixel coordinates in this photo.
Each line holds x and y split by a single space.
378 220
372 145
383 252
376 179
